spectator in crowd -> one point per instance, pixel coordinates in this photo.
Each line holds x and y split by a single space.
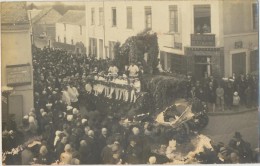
211 96
66 156
72 137
27 156
236 101
220 97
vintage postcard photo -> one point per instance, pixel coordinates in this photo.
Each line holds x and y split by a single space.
130 82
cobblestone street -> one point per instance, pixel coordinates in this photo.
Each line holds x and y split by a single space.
221 128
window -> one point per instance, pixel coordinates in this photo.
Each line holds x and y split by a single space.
129 18
80 29
101 48
111 49
93 46
64 27
101 16
65 40
202 19
72 42
255 16
148 17
92 16
173 15
113 17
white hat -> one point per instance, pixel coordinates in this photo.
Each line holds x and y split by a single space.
75 111
152 160
69 108
235 93
41 110
57 133
136 130
26 117
83 121
69 117
44 113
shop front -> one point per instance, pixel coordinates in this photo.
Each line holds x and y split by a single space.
203 58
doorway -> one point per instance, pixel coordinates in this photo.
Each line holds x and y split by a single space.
202 66
239 63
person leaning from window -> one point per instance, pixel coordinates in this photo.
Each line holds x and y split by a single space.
206 28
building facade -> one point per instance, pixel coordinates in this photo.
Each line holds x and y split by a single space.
71 31
43 27
193 36
16 64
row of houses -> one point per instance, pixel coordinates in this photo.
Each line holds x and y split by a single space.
51 29
203 37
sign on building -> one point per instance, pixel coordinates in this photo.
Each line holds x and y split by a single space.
18 74
203 40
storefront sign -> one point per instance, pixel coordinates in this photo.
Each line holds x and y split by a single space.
18 74
202 40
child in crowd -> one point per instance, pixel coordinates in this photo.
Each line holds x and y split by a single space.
236 101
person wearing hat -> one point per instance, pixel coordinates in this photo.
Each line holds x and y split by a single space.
102 139
241 147
236 101
133 153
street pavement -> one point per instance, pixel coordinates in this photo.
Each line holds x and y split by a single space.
221 128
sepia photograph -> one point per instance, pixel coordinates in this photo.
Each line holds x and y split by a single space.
130 82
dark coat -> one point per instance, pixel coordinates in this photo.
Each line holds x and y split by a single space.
133 155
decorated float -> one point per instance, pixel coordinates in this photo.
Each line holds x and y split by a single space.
153 93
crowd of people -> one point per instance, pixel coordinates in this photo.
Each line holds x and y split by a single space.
69 136
226 93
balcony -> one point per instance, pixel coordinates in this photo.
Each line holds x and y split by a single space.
203 40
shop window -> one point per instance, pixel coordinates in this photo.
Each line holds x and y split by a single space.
202 19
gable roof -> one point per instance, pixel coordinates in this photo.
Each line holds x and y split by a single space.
76 17
14 15
49 14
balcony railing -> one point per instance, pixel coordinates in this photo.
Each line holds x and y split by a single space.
203 40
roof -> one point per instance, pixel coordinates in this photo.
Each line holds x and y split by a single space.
41 14
76 17
47 15
14 15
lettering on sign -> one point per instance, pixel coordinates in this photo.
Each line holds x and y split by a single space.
18 74
202 40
